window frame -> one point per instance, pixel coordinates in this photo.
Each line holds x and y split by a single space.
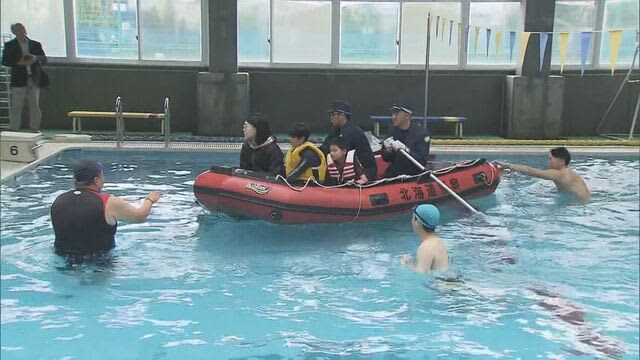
71 43
72 58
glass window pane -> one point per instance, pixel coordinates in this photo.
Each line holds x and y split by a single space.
106 28
414 25
43 19
620 15
302 31
170 30
253 30
572 17
497 16
368 32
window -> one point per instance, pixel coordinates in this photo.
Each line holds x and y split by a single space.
43 19
502 18
413 39
368 32
301 31
572 17
170 30
620 15
253 30
106 29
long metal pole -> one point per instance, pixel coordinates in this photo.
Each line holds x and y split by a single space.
426 67
635 117
615 98
444 186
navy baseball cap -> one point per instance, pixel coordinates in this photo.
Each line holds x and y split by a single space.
86 170
401 106
341 107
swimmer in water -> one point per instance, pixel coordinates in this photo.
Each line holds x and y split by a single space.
566 180
432 253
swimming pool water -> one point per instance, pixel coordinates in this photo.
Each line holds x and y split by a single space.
539 277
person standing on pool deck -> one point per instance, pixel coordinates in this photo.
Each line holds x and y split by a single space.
85 219
432 253
343 127
566 180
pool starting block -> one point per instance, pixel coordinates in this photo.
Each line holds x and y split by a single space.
20 146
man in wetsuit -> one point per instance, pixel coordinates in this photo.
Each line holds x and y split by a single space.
342 126
85 219
407 136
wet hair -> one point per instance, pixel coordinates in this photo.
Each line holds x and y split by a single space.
263 130
561 153
300 130
340 142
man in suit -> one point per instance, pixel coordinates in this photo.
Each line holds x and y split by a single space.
25 58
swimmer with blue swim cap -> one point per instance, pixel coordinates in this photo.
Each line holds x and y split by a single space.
432 253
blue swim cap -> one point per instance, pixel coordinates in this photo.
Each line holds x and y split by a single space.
428 215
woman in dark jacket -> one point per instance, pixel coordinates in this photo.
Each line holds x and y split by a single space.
260 151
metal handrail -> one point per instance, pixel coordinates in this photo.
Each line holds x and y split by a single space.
167 123
119 122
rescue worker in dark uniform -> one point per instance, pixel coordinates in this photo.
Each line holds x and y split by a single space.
354 136
409 137
85 219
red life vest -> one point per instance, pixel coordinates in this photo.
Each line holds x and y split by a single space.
348 171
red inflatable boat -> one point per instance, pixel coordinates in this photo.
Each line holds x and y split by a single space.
244 193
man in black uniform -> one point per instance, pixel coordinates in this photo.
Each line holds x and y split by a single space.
85 219
406 136
342 126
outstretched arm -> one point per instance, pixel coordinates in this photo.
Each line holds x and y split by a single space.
121 210
549 174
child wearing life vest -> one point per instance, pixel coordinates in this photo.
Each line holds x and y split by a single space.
304 160
343 165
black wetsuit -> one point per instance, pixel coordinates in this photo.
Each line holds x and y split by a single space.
79 223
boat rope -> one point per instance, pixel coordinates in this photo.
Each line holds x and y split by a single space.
442 171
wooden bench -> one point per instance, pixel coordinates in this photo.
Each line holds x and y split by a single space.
78 115
457 120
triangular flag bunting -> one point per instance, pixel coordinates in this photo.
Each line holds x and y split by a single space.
544 37
512 42
584 49
444 21
615 39
488 40
524 40
476 34
450 31
498 42
564 44
437 25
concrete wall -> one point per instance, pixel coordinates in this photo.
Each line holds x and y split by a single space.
288 96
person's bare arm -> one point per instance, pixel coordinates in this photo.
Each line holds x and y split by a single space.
424 260
549 174
121 210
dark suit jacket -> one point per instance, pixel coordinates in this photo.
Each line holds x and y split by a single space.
12 55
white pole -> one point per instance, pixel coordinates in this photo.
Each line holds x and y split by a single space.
444 186
426 67
635 117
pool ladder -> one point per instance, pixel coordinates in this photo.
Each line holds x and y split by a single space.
120 122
